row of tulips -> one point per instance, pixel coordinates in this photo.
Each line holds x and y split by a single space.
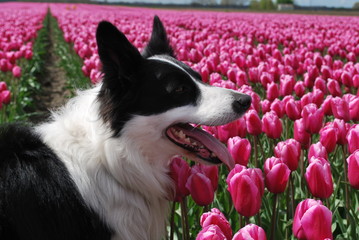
18 30
297 144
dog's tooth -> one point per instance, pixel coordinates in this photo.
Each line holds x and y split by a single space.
181 134
187 140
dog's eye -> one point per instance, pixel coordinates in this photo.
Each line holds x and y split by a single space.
179 89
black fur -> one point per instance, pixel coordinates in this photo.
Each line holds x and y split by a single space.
159 43
135 85
38 199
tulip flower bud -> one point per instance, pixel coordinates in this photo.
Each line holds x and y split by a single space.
340 109
272 125
216 217
179 172
334 88
201 188
16 71
319 178
312 118
353 169
353 138
317 150
5 96
253 123
292 109
211 232
272 91
299 88
250 231
328 137
240 149
327 105
287 83
246 189
266 78
276 175
312 221
300 134
209 171
3 86
278 107
289 152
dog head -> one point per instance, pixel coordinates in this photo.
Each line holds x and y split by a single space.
154 93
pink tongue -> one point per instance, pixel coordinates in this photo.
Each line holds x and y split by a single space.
210 142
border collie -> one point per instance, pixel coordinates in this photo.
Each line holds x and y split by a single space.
98 169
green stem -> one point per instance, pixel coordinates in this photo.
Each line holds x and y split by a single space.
172 222
291 181
185 232
347 205
274 213
260 146
255 151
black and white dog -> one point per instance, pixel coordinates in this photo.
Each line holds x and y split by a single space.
99 168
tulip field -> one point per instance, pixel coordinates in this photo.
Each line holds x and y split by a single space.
296 148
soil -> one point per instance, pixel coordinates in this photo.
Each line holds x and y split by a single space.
53 85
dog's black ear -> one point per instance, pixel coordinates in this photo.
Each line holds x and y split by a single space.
118 56
159 43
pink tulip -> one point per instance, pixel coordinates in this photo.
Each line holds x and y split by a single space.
210 171
292 109
320 84
240 149
272 91
300 134
334 88
312 221
278 107
272 125
250 232
319 178
5 96
216 217
265 106
211 232
299 88
253 123
276 175
287 83
266 78
317 150
355 80
328 137
289 152
179 172
201 188
342 129
340 109
327 105
312 118
3 86
354 109
246 187
353 169
353 138
236 128
16 71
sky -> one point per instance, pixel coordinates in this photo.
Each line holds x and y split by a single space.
327 3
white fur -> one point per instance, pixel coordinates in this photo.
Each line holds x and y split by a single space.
125 179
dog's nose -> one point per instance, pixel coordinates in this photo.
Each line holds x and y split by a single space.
242 103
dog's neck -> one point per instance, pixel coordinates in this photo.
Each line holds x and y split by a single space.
124 179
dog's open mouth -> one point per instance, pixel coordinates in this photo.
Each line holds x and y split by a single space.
200 143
